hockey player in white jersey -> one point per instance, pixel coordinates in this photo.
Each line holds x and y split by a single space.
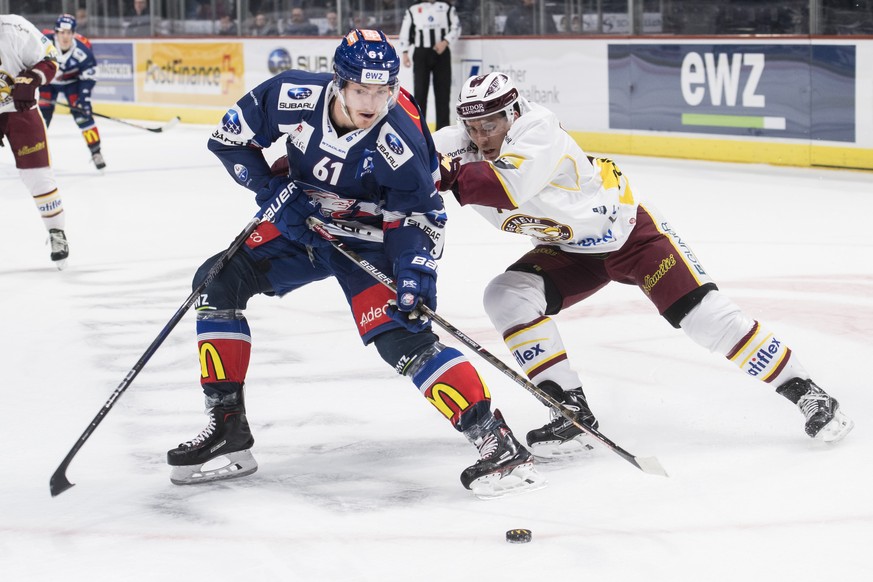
27 60
513 163
369 168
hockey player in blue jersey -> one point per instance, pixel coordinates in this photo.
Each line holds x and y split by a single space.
77 75
360 159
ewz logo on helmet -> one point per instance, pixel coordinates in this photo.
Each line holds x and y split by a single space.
374 77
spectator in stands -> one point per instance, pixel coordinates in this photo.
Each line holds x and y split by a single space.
82 26
299 25
263 26
227 26
332 24
524 19
139 23
469 12
389 16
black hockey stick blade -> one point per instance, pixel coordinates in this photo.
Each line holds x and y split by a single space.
165 127
59 482
649 465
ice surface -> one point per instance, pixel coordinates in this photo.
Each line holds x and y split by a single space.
358 476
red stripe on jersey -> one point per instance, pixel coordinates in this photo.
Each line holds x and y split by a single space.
478 184
403 99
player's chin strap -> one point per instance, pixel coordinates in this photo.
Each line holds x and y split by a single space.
645 464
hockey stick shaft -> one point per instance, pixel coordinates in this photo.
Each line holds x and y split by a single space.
160 129
645 464
59 482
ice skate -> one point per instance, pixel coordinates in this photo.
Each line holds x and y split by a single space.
560 438
98 160
505 467
60 248
220 451
824 420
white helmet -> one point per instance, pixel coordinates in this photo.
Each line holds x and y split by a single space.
486 95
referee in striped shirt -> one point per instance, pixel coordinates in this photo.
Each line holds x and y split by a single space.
430 27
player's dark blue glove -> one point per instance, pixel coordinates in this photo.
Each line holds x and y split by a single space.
415 274
289 209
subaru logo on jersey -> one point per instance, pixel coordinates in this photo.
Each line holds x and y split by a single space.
231 123
392 148
299 93
298 97
242 173
374 77
394 143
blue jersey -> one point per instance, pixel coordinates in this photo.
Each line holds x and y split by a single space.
382 177
76 64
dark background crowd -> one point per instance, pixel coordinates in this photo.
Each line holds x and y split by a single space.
144 18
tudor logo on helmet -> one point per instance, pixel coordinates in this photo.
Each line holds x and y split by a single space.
486 95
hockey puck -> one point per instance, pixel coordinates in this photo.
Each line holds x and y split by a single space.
518 536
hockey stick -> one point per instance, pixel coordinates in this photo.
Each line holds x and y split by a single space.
59 482
645 464
169 125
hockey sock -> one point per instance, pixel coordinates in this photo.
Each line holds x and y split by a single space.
451 383
225 345
41 184
539 350
92 138
720 326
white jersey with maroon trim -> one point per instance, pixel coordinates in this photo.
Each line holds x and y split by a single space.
544 186
22 46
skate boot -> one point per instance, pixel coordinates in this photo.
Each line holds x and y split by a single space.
98 160
504 467
60 248
824 420
560 438
221 450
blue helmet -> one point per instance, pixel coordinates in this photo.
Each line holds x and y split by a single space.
366 57
66 22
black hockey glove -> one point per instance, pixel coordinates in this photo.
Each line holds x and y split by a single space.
24 90
415 273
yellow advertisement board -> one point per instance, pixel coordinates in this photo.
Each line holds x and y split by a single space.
206 74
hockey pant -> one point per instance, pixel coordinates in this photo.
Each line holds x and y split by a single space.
516 303
26 133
